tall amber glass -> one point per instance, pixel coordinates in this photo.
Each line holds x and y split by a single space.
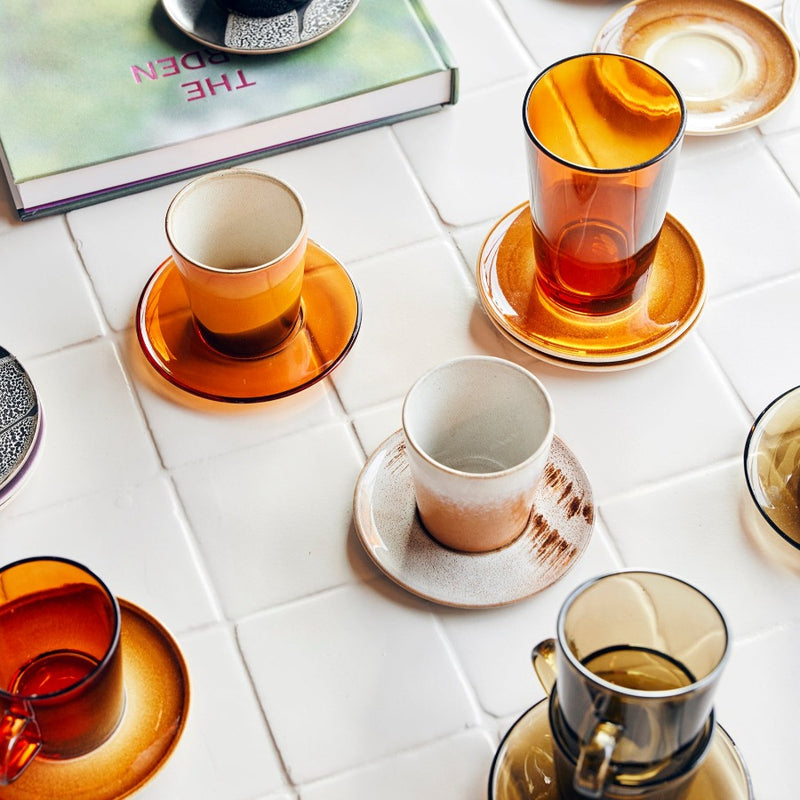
603 136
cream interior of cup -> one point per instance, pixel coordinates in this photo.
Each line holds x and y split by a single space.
235 221
478 416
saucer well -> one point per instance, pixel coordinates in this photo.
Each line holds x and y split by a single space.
20 419
156 705
330 321
523 765
390 530
207 22
733 63
674 296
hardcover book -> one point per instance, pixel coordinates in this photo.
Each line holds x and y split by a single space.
105 97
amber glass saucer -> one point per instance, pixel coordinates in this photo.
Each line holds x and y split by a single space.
523 765
330 318
156 705
674 296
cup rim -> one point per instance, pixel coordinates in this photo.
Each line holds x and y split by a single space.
110 650
660 694
673 145
225 174
481 476
750 442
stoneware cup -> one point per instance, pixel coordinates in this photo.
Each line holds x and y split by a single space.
238 238
635 664
603 134
478 432
61 687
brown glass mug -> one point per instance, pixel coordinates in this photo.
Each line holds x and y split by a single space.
61 687
635 663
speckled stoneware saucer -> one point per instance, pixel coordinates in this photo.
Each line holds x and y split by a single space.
674 297
156 706
733 63
21 425
523 765
207 22
390 530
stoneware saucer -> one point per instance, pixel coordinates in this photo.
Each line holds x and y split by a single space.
390 530
674 297
21 424
733 63
523 765
207 22
156 705
11 488
329 323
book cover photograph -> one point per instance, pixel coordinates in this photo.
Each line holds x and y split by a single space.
102 98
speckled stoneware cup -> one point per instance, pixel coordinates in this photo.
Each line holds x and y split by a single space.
478 432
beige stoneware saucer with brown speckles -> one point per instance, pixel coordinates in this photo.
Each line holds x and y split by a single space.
389 528
733 63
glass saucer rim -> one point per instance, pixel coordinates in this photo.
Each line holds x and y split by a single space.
146 301
749 453
541 707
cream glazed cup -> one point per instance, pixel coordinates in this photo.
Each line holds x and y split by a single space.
478 432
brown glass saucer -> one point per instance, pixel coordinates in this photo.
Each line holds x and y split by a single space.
732 62
156 705
523 765
674 296
330 320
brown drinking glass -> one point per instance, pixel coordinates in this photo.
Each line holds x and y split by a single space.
603 136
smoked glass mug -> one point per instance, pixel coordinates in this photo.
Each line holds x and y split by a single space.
632 673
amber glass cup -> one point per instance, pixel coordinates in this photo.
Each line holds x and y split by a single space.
603 135
238 238
633 669
61 688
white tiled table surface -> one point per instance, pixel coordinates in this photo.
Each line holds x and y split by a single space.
313 676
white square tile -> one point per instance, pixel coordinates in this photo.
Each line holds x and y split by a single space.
693 528
94 437
485 48
752 198
350 676
122 242
786 150
753 335
452 769
135 538
46 301
471 157
756 704
654 421
420 308
226 750
274 522
187 428
361 196
494 645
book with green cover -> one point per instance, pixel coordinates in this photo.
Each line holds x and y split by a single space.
105 97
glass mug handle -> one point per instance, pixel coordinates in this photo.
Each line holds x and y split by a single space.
595 758
20 741
544 663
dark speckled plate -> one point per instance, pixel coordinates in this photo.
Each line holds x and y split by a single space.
388 526
20 419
